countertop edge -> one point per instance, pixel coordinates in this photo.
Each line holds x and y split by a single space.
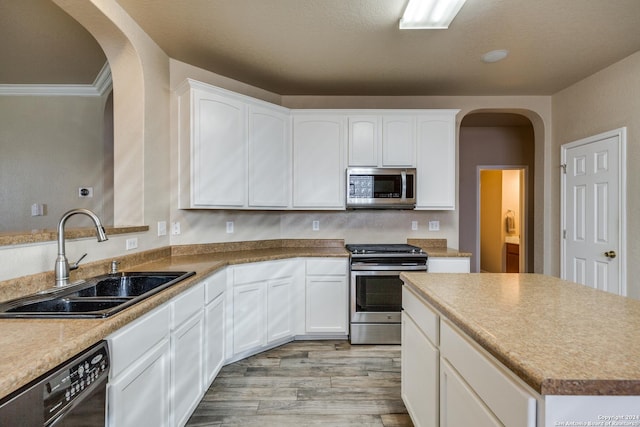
528 374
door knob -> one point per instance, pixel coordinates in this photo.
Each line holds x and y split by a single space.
610 254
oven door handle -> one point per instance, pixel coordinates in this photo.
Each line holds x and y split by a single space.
369 267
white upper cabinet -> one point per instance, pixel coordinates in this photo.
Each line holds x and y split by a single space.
235 151
436 161
387 140
238 152
269 157
364 140
318 160
213 151
398 140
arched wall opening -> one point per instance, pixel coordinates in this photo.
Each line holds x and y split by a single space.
502 139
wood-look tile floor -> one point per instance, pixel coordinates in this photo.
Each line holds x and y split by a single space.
308 383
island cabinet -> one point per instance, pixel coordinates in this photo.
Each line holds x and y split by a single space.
420 361
319 145
385 140
234 150
449 381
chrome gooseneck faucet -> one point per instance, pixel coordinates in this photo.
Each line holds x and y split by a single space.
62 265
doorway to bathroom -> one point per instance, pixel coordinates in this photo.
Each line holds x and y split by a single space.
502 220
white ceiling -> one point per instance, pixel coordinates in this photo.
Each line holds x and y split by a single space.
348 47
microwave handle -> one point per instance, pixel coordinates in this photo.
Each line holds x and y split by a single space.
403 174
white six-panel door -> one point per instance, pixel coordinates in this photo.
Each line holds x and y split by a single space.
593 211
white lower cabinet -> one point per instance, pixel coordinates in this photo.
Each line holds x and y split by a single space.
163 362
214 325
474 388
138 389
264 309
459 405
449 265
327 297
248 317
420 362
187 361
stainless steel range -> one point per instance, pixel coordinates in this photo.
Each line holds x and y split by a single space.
376 290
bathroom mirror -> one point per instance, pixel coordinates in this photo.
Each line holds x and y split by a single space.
56 119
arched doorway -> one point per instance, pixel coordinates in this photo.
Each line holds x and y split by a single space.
494 140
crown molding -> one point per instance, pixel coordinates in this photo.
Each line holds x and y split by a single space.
100 86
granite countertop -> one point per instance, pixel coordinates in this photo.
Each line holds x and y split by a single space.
31 347
560 337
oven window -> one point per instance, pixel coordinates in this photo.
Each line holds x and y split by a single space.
378 294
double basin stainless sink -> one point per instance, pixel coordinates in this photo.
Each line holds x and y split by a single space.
97 297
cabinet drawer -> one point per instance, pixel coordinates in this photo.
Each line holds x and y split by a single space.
187 304
426 319
327 267
215 285
129 343
509 401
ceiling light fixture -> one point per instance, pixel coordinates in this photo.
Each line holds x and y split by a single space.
495 55
430 14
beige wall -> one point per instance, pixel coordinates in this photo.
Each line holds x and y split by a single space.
141 74
499 147
49 147
607 100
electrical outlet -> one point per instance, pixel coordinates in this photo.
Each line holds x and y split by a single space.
162 228
85 192
175 228
229 227
434 225
315 225
414 225
132 243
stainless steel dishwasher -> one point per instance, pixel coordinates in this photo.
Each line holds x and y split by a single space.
72 394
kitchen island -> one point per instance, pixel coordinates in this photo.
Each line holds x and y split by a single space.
565 353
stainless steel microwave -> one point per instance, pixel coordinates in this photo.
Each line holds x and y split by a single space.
381 188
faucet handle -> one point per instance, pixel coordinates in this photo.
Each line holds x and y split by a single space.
75 264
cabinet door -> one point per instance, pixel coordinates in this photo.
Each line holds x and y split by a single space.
436 162
327 305
269 158
459 405
187 368
219 156
214 339
398 141
248 317
139 397
279 309
364 140
318 161
419 374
